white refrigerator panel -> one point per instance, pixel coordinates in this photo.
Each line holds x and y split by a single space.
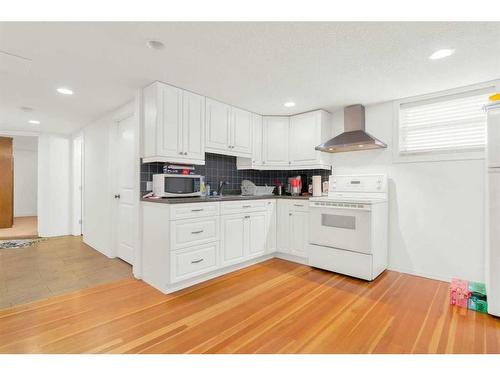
493 248
494 137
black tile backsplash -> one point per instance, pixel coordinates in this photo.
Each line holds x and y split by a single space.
223 168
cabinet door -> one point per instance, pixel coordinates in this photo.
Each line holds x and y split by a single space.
169 140
299 232
283 226
275 130
193 126
271 227
257 139
241 132
305 135
233 239
256 225
217 130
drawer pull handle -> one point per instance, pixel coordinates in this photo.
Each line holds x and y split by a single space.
197 261
197 231
298 205
247 206
197 210
247 217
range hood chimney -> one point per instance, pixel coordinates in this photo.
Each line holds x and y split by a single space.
354 137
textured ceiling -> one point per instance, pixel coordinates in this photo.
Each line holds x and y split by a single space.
256 66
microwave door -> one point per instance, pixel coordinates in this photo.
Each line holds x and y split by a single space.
179 186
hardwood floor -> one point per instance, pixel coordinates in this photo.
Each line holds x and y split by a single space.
272 307
24 227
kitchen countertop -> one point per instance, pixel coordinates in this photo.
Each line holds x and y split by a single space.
223 198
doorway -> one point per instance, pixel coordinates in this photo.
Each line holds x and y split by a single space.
19 190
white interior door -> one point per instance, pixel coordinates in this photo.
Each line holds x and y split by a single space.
124 162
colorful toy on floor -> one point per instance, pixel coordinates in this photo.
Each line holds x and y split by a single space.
459 292
477 300
468 294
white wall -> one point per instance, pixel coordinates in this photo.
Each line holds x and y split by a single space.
436 208
76 184
54 176
25 175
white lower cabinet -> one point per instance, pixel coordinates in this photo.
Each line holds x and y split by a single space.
233 239
293 227
184 244
271 226
243 237
299 228
190 232
256 226
193 261
282 226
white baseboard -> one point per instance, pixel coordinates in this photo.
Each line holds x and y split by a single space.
420 274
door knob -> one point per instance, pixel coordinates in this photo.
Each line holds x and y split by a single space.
117 196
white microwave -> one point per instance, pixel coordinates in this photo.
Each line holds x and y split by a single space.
176 185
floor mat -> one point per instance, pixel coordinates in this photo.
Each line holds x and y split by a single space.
17 244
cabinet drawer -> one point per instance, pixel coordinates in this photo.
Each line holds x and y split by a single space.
194 261
191 232
193 210
341 261
299 205
236 207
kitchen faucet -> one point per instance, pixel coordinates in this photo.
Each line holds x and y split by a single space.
221 187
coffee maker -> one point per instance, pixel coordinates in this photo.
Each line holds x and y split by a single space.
294 186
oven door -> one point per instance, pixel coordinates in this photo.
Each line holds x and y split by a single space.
341 228
181 186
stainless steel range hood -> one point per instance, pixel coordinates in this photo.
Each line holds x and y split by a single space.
354 137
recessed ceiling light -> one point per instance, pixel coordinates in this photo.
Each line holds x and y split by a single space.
65 91
155 44
34 122
441 54
289 104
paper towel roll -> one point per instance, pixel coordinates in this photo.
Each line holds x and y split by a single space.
316 186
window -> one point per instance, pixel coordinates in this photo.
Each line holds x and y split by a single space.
444 124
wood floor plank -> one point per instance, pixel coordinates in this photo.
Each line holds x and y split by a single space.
272 307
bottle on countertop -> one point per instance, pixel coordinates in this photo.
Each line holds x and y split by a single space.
207 188
203 190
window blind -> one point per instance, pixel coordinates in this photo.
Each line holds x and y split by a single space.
448 123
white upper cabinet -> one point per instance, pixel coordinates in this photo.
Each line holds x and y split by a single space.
228 129
305 135
241 132
174 125
289 142
275 146
193 125
254 162
217 133
307 131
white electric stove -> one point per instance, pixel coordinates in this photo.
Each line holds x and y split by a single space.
348 229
